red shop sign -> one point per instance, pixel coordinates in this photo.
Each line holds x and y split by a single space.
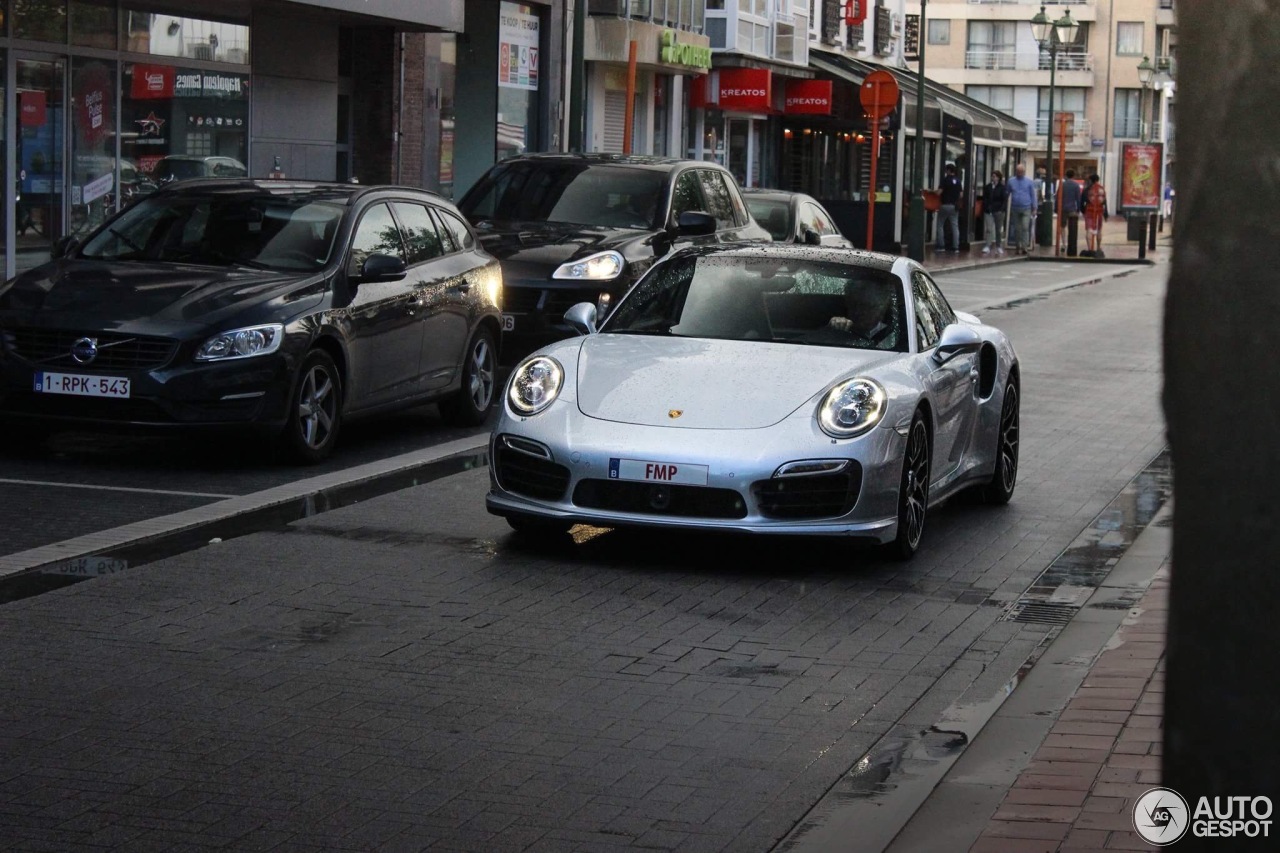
748 89
698 91
808 97
152 81
31 109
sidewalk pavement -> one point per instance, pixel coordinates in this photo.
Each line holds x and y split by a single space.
1115 245
1079 791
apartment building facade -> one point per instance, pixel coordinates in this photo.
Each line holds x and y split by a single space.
987 49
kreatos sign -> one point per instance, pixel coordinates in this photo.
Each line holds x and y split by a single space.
673 52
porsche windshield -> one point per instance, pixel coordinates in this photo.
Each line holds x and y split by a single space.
265 231
767 298
604 195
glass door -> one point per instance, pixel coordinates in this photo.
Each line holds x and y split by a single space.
39 85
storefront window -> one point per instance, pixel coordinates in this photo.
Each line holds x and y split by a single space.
95 184
519 78
42 20
93 23
191 38
40 140
184 122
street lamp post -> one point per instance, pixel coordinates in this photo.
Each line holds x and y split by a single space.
1147 74
1049 35
915 218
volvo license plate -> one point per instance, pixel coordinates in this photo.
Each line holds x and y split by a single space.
79 385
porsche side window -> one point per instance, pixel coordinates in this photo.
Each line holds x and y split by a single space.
376 234
686 195
939 302
928 324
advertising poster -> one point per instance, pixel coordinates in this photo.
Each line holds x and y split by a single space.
1140 168
517 49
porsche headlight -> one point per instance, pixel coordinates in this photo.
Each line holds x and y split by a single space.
851 408
602 266
535 384
242 343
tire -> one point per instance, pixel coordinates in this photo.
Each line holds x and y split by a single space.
913 491
315 409
469 405
1005 477
534 527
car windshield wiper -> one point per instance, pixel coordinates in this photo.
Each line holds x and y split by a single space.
659 332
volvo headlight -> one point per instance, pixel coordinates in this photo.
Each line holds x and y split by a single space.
602 266
851 408
535 384
242 343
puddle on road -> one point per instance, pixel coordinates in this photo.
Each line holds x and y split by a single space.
878 795
279 517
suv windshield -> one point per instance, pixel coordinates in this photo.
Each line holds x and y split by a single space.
570 193
266 231
767 298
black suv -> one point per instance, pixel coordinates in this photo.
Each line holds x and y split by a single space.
574 228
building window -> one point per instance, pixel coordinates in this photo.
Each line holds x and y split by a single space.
991 45
1129 38
940 32
1128 113
189 38
998 97
1065 100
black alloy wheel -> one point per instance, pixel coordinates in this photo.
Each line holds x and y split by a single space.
315 415
1000 489
913 493
470 404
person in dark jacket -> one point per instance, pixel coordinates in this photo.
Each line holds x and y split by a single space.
1072 195
948 213
995 200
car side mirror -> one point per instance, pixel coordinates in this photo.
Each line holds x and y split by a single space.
695 223
956 339
582 318
64 246
380 267
812 238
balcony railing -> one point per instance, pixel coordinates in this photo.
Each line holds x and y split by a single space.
1080 128
1008 60
1129 128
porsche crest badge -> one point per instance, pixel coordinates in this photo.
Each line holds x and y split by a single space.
674 413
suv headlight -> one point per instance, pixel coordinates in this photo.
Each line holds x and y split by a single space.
535 384
602 266
242 343
851 408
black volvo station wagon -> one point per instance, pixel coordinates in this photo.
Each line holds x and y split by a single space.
283 307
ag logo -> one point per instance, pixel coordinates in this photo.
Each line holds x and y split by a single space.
1161 816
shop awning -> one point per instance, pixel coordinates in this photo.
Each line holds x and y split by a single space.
989 124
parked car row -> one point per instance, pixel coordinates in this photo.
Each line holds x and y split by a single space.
290 307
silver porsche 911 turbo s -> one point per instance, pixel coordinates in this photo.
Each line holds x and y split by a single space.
765 389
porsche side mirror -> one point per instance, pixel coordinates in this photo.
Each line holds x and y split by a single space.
956 339
695 223
812 238
379 267
582 318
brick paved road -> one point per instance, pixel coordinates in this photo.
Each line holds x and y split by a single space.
401 675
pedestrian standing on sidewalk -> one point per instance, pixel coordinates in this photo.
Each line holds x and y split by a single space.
948 212
1072 198
995 199
1095 213
1022 203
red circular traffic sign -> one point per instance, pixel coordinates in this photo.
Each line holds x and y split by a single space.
879 94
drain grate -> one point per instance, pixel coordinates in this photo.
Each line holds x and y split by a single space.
1042 613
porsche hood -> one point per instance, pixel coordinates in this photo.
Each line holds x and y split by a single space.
697 383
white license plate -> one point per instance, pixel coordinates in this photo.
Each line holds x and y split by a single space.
508 322
658 472
79 385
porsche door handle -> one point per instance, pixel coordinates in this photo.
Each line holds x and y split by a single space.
417 304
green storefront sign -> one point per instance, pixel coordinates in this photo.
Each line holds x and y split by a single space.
682 53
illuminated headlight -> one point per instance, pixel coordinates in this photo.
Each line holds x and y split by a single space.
242 343
851 408
535 384
602 266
